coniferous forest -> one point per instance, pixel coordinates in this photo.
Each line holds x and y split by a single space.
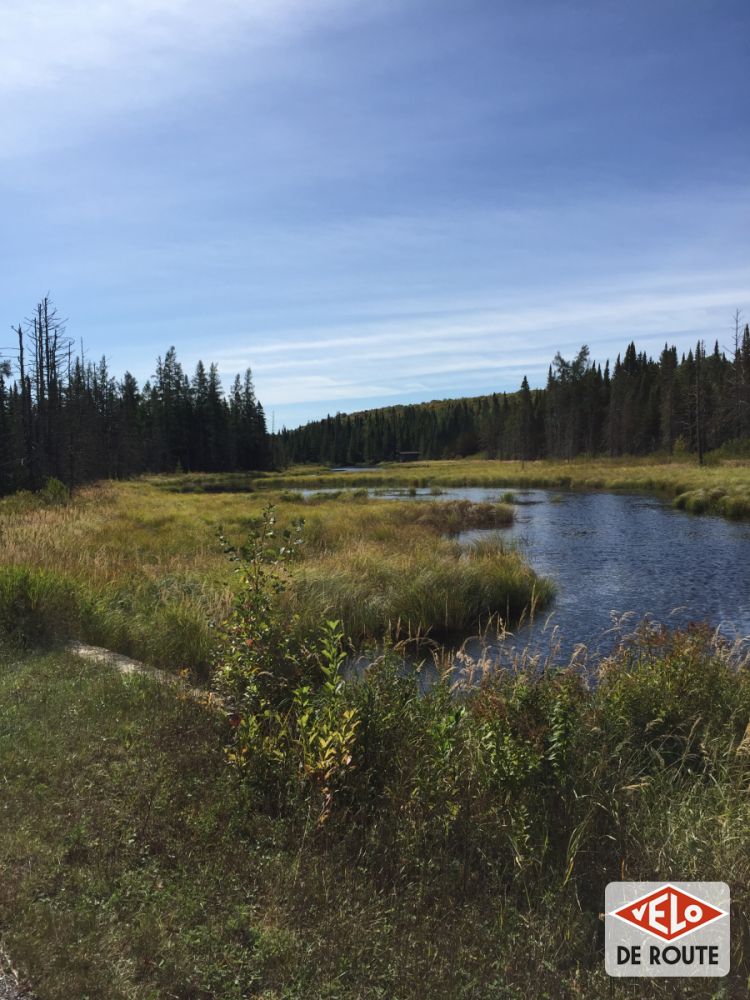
65 417
691 403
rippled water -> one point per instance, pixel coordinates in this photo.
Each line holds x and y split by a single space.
613 554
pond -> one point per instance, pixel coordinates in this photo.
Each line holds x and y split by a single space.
612 555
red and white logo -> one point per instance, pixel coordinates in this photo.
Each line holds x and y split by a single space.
669 913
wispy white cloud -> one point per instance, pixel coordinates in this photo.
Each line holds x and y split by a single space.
468 351
46 43
69 64
318 388
602 309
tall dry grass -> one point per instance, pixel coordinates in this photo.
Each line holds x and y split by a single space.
138 567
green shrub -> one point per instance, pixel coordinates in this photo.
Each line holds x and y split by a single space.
670 694
54 493
37 606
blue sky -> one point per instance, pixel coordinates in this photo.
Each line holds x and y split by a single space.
374 203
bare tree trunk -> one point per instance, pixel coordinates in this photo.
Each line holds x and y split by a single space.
26 415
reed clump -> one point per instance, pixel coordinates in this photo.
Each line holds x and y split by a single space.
454 516
442 588
731 503
138 567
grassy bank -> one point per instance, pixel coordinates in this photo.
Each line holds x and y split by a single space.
464 853
722 486
451 588
138 566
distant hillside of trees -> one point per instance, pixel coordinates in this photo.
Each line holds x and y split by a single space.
689 403
64 417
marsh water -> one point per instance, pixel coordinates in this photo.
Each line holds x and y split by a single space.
613 555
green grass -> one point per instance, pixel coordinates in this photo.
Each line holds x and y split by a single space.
138 567
444 588
465 856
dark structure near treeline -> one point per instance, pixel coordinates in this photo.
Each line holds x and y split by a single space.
671 404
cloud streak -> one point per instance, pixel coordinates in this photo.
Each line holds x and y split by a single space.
69 65
484 352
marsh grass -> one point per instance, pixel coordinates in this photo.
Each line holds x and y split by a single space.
669 477
733 503
137 566
391 568
443 589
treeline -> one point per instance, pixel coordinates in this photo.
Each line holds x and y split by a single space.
65 417
690 403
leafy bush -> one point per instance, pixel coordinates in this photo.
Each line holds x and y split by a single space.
53 494
292 728
259 650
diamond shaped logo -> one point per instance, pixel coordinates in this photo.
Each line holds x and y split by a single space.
669 913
